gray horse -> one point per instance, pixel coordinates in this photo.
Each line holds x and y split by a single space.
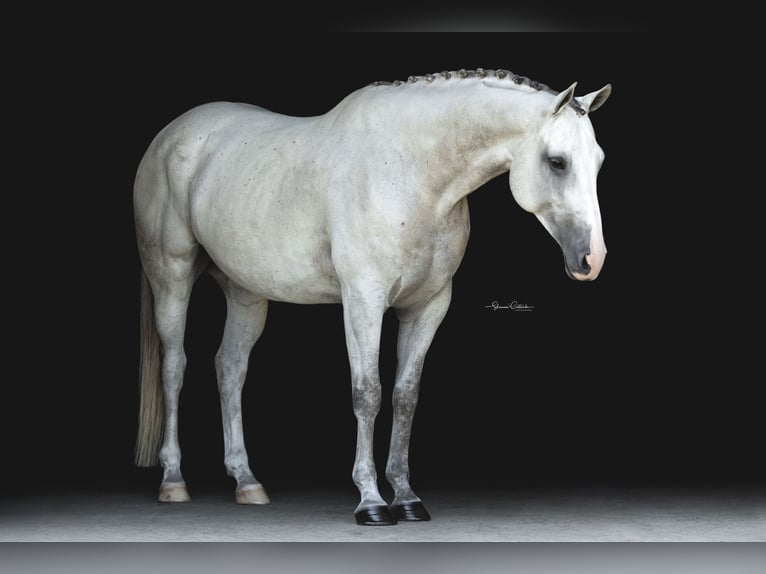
365 206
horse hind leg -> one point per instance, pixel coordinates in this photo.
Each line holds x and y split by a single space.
245 320
172 260
171 299
416 331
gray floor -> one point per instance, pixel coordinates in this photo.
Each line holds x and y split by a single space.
515 515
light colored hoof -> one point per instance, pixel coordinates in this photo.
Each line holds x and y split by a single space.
174 492
252 494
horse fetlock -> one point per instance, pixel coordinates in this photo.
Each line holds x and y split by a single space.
365 478
400 483
399 479
170 460
242 474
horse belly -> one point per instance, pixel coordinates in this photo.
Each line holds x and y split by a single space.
266 245
275 254
291 276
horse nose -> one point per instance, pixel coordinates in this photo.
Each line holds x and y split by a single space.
581 269
590 264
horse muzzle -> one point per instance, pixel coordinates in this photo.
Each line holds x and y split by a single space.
585 265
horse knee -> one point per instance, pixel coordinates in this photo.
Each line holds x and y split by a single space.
405 397
236 462
367 396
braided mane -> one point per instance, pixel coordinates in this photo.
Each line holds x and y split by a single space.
463 74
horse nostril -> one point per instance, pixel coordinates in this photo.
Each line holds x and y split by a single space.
584 264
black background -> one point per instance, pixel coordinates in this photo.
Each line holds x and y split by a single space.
644 376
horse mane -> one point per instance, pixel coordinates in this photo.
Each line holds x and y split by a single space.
480 73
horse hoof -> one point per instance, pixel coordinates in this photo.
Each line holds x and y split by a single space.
411 512
174 492
375 516
252 494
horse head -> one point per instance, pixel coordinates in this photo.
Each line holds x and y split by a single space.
553 175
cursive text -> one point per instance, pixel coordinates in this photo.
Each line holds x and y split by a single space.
512 306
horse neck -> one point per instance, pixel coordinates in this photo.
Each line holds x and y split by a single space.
460 136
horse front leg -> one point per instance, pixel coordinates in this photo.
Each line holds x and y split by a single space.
417 328
363 321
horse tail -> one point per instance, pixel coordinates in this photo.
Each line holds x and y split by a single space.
152 409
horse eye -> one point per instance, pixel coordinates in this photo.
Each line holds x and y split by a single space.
557 163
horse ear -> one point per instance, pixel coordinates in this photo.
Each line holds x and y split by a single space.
563 99
594 100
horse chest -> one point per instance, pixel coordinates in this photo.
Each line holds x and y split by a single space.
423 275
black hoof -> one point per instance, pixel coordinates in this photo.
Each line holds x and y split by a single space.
375 516
411 512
